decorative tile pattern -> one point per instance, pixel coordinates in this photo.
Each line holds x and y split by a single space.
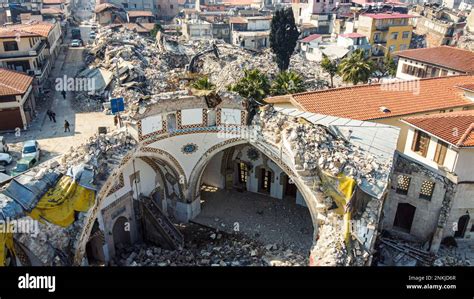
189 148
119 185
181 172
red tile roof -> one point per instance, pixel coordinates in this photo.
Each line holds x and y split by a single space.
469 87
364 102
23 30
456 128
310 38
140 13
13 82
352 35
445 56
383 16
51 11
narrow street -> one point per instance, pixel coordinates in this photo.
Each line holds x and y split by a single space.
51 136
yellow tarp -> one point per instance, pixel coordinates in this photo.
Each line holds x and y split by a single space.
340 189
6 242
58 205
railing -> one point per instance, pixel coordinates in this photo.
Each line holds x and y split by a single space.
34 52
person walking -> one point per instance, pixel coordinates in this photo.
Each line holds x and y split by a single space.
66 126
53 115
49 114
63 93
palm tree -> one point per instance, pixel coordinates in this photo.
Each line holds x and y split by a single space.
287 82
254 85
203 83
330 67
356 68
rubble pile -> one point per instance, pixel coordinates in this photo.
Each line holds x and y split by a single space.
208 247
466 41
147 68
103 152
450 256
315 147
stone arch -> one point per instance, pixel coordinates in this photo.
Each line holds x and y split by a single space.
195 179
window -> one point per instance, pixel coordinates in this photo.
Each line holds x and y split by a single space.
243 173
10 46
427 190
421 141
392 48
403 47
171 6
376 37
403 183
299 14
440 154
394 35
405 34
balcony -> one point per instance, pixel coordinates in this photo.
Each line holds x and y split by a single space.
20 54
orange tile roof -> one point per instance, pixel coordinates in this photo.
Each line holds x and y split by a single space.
139 13
13 82
364 102
23 30
445 56
51 11
456 128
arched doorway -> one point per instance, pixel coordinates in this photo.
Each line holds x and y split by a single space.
462 226
404 217
121 233
256 203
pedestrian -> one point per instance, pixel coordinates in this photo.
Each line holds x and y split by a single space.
115 120
53 116
63 93
66 126
50 115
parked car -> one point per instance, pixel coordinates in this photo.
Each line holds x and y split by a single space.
76 43
92 35
23 165
94 27
31 148
3 145
5 159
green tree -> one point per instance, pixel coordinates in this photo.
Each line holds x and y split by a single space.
203 83
330 67
356 68
287 82
155 30
283 37
254 85
387 67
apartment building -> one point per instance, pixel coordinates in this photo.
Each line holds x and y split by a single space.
252 33
387 32
30 48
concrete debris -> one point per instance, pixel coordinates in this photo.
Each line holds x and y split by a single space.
315 147
229 250
466 41
54 245
146 68
451 256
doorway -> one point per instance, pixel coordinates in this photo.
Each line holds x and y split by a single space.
265 180
121 233
462 226
404 217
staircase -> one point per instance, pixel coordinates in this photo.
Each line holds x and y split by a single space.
158 228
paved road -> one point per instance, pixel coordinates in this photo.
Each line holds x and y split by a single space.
51 136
